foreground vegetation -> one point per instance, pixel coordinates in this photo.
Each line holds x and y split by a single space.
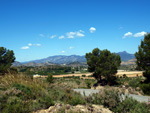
22 94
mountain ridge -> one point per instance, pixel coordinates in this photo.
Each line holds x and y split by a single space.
64 59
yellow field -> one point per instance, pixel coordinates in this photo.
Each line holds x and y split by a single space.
128 74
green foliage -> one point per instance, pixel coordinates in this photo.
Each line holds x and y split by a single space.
108 98
50 78
145 88
134 82
124 76
102 63
76 99
26 92
6 59
129 105
88 83
78 82
45 101
16 106
143 57
129 82
83 75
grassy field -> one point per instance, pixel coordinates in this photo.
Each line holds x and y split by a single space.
128 74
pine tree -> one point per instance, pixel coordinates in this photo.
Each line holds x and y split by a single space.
6 59
103 64
143 57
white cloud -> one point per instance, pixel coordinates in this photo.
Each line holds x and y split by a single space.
92 29
79 34
62 51
42 35
128 34
53 36
25 47
61 37
71 47
139 34
75 34
29 44
37 44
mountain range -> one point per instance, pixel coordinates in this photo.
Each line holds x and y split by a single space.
62 59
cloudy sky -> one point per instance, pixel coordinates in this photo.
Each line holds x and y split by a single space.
36 29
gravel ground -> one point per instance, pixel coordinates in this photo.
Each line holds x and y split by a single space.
87 92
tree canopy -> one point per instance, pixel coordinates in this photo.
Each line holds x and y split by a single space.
6 59
102 63
143 57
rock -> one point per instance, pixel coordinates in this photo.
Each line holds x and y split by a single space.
75 109
138 89
99 87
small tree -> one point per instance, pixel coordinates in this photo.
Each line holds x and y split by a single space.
50 78
143 57
103 63
6 59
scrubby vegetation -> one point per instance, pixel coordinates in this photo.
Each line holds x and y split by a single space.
53 69
22 94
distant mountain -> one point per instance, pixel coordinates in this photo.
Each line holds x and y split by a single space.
33 64
129 62
126 56
16 63
62 59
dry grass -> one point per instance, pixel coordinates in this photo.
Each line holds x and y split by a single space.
10 79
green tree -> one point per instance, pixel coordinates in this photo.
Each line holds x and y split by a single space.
50 78
143 57
6 59
103 63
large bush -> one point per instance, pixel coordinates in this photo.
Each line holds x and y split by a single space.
107 97
129 105
145 88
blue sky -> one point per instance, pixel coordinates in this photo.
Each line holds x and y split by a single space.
36 29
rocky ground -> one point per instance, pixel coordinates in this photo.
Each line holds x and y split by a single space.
62 108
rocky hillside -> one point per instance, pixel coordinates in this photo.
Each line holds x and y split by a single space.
129 62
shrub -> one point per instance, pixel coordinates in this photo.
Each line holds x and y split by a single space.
129 105
16 106
45 101
88 83
83 75
124 76
78 82
76 99
134 83
109 98
26 91
145 88
50 78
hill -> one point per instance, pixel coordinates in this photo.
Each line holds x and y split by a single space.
62 59
126 56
